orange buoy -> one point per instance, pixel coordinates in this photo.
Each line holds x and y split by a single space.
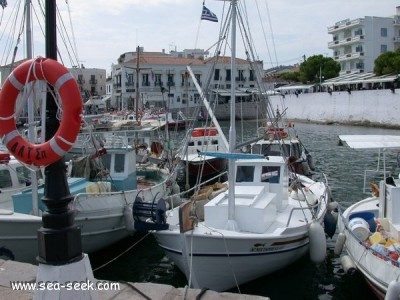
66 87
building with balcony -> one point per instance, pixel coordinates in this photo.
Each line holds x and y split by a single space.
357 43
91 81
160 80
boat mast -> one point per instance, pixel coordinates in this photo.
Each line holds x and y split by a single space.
232 225
137 95
31 113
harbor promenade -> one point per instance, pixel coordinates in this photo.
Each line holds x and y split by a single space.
16 272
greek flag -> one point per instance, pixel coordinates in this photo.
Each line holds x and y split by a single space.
208 15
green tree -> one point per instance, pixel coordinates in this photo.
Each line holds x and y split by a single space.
291 76
318 68
387 63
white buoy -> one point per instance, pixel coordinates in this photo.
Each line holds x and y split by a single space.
128 218
341 239
393 290
317 243
348 266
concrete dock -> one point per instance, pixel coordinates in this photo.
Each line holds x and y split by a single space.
12 271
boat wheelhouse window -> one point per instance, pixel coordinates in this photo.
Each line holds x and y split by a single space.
119 164
270 174
296 151
5 179
106 160
23 174
245 174
271 150
214 142
191 143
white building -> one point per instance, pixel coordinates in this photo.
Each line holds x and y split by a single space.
91 81
357 43
158 79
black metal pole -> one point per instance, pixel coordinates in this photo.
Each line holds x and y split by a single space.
59 238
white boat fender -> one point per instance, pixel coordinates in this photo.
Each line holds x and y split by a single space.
330 224
310 161
128 218
317 243
176 189
341 239
393 290
332 206
348 265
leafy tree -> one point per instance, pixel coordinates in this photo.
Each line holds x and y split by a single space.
387 63
291 76
318 67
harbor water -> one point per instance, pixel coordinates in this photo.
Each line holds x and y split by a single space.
141 260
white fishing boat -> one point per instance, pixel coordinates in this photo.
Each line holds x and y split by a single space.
266 219
103 203
369 230
280 138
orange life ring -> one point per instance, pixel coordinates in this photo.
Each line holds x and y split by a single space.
64 85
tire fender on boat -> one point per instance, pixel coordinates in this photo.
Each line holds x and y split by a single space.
317 243
393 290
341 239
65 86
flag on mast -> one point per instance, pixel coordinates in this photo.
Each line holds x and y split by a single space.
208 15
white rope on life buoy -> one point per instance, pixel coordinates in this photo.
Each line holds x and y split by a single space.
64 85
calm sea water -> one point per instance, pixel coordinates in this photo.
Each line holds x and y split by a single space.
344 167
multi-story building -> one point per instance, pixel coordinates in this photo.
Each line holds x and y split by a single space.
158 79
357 43
91 81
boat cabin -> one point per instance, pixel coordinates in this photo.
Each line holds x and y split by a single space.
205 139
14 177
286 147
260 186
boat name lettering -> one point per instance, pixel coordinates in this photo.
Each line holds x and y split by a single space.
265 249
40 154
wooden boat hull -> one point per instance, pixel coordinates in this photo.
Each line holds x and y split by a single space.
208 167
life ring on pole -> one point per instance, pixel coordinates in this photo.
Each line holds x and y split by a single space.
66 87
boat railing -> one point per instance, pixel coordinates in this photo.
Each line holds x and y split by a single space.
371 175
315 206
325 197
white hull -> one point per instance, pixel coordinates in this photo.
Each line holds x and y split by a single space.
99 216
223 259
378 271
22 245
221 263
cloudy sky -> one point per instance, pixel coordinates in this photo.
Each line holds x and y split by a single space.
104 29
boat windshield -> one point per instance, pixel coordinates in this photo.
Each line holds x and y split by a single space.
245 174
